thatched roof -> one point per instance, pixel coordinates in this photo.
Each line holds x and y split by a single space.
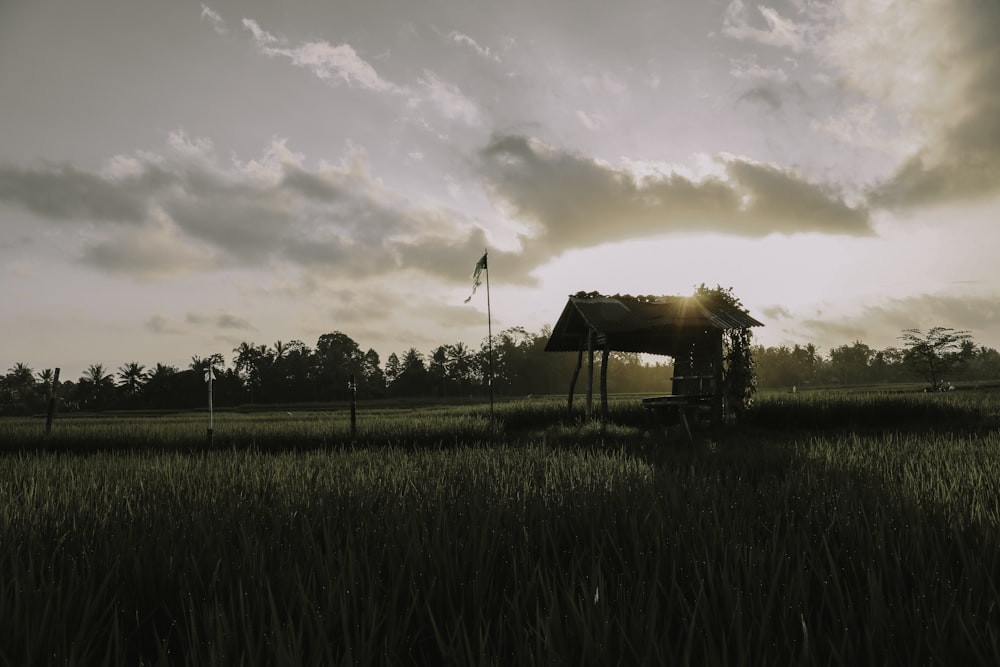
654 325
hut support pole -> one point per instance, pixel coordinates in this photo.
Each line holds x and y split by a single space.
590 374
720 390
572 383
604 385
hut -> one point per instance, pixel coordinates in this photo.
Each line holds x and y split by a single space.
688 329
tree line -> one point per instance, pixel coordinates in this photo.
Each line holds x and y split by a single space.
293 372
938 356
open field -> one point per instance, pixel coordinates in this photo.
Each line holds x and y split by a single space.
833 528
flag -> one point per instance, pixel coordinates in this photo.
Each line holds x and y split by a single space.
476 276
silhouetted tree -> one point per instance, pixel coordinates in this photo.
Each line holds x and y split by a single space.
19 392
936 354
413 379
373 383
95 388
850 364
248 362
338 357
392 370
131 377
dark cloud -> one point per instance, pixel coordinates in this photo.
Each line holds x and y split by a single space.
63 192
766 96
218 320
161 324
961 161
773 96
183 211
577 201
775 312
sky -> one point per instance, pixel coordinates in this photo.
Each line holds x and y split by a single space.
177 178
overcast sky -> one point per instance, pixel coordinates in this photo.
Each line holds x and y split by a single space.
178 177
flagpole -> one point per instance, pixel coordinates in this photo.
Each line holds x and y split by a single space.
489 327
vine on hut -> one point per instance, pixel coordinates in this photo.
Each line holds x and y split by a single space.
739 379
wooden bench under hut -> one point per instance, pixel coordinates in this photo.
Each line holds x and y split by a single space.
688 329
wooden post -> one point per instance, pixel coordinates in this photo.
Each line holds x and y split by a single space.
604 387
720 390
590 374
52 404
209 377
572 383
353 387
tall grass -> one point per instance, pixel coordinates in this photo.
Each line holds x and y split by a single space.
768 545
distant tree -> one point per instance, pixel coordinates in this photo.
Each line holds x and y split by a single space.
95 388
984 365
294 373
372 378
156 392
437 369
19 392
936 354
338 357
248 364
46 377
393 368
887 365
413 379
851 364
131 377
201 364
458 360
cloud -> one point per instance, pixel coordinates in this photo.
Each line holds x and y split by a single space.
775 312
342 64
64 192
933 65
749 69
339 63
576 201
180 210
767 96
220 319
459 38
880 324
161 324
213 18
592 122
154 250
449 100
223 320
779 31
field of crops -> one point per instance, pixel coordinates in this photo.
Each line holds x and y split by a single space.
831 528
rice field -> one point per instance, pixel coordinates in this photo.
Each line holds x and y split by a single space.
832 528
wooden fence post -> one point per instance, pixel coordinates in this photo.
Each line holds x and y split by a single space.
53 388
353 388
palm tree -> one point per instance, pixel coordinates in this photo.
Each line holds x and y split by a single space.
96 376
459 361
157 389
132 376
161 371
248 362
46 377
95 386
18 387
217 361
